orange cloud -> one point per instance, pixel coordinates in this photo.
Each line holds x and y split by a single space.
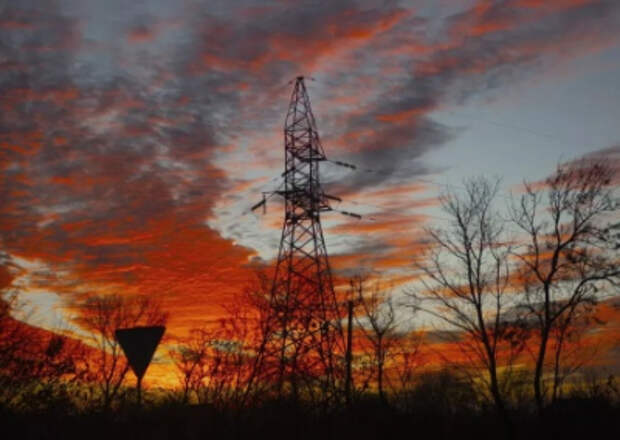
339 33
109 178
141 35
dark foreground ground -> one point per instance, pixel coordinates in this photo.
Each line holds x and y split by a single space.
583 419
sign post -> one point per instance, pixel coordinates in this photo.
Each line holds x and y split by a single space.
139 344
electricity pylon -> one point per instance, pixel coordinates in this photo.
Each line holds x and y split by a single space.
302 298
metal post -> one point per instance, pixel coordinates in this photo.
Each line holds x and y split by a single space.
139 388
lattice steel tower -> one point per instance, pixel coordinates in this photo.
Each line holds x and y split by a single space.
302 293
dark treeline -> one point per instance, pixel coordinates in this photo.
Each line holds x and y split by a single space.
439 407
516 352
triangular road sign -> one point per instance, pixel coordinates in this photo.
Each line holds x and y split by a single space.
139 344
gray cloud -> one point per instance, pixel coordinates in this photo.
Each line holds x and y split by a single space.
118 110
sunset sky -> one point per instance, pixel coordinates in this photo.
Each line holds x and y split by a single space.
136 135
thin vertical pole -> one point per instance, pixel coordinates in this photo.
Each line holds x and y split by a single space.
139 387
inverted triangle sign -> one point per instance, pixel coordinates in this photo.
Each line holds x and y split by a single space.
139 344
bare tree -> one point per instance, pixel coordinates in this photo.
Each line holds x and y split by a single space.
465 278
228 363
256 305
570 351
408 359
217 364
571 253
101 315
37 367
190 357
377 322
291 359
230 360
11 339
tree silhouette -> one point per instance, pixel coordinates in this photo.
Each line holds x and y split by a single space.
378 324
190 358
465 279
101 315
570 254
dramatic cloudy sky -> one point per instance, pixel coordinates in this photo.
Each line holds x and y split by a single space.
135 135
